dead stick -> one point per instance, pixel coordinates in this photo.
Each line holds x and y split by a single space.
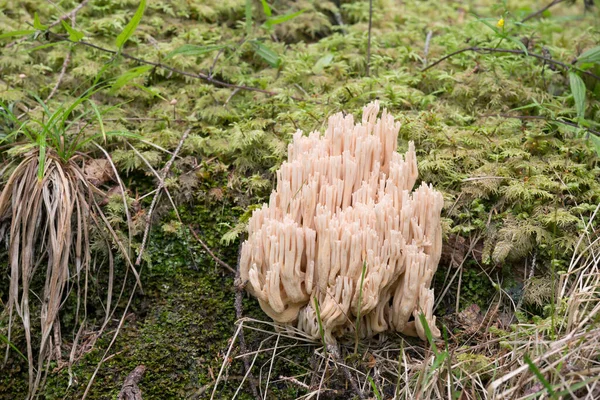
334 350
209 251
130 390
539 12
198 75
369 38
161 185
239 313
63 69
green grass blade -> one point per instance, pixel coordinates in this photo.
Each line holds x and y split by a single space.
248 17
13 34
41 158
596 142
318 311
266 8
131 26
536 371
428 333
37 24
590 56
12 346
264 52
374 387
193 50
98 118
578 91
129 75
282 18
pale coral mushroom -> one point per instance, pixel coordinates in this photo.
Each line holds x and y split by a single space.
343 202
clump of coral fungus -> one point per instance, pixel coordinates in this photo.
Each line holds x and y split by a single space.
343 202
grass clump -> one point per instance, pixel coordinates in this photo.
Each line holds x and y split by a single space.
48 206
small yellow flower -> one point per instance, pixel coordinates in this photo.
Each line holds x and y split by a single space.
500 23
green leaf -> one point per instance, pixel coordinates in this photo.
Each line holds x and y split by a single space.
282 18
519 44
322 62
37 24
578 90
129 75
131 26
17 33
41 157
266 8
12 346
99 118
150 91
74 34
492 27
590 56
248 17
266 53
596 142
43 46
193 50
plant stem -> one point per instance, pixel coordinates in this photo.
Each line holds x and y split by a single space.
369 39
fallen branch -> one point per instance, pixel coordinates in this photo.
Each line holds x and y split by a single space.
130 390
476 49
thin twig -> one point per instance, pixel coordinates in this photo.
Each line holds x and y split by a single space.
198 75
511 51
208 250
540 117
239 313
369 39
130 389
64 66
70 14
161 185
539 12
334 351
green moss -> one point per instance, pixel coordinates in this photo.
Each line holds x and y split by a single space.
524 185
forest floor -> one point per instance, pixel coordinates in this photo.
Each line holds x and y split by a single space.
506 127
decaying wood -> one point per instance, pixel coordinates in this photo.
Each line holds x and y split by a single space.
130 389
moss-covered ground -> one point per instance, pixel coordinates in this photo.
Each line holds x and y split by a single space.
502 135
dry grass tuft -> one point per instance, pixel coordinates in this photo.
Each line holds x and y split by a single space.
48 207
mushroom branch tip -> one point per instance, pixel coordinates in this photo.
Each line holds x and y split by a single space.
344 227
